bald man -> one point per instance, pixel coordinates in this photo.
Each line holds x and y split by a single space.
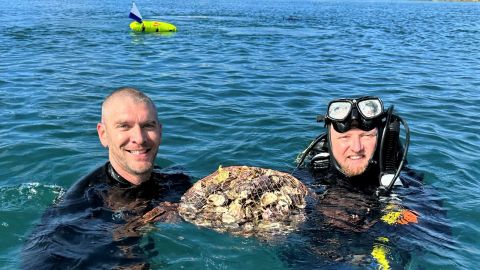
97 223
132 133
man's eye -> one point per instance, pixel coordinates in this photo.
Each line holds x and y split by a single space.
149 126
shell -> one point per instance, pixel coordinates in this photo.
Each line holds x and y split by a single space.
216 199
235 209
246 201
268 198
227 218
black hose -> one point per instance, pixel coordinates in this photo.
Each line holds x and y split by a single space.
404 156
309 148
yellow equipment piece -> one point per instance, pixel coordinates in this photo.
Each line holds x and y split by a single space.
380 253
152 27
398 215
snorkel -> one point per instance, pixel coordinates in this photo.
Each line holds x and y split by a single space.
365 113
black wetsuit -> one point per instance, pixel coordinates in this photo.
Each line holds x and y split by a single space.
343 224
348 222
87 228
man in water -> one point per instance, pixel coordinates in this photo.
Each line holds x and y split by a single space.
353 167
96 223
361 146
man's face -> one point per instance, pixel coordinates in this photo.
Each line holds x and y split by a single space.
132 133
353 149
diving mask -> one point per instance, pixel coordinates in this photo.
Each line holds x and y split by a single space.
363 113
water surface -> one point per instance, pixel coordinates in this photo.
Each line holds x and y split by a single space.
240 83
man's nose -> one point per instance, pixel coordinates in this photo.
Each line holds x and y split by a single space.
138 135
356 144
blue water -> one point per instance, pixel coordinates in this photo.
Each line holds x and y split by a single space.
240 83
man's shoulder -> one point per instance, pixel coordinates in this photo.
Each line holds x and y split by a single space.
96 176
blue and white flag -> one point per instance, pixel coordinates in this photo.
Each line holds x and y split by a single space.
135 14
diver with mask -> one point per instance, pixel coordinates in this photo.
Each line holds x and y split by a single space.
361 147
355 168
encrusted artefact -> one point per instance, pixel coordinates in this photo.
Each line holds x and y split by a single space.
246 200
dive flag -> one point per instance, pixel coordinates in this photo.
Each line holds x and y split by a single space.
135 14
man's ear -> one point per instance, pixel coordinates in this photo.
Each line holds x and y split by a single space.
102 134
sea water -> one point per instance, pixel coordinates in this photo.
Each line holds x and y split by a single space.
240 83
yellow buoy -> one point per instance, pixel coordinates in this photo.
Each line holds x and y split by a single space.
152 27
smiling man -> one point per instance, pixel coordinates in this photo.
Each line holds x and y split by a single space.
356 161
353 149
361 145
97 223
132 133
354 167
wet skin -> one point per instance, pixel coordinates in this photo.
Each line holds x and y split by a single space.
353 149
131 131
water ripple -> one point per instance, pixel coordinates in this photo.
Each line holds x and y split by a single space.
240 83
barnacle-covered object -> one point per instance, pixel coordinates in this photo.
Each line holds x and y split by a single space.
246 201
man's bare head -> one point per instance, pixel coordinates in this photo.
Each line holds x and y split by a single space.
131 131
122 93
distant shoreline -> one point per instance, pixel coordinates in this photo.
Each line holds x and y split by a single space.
456 0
